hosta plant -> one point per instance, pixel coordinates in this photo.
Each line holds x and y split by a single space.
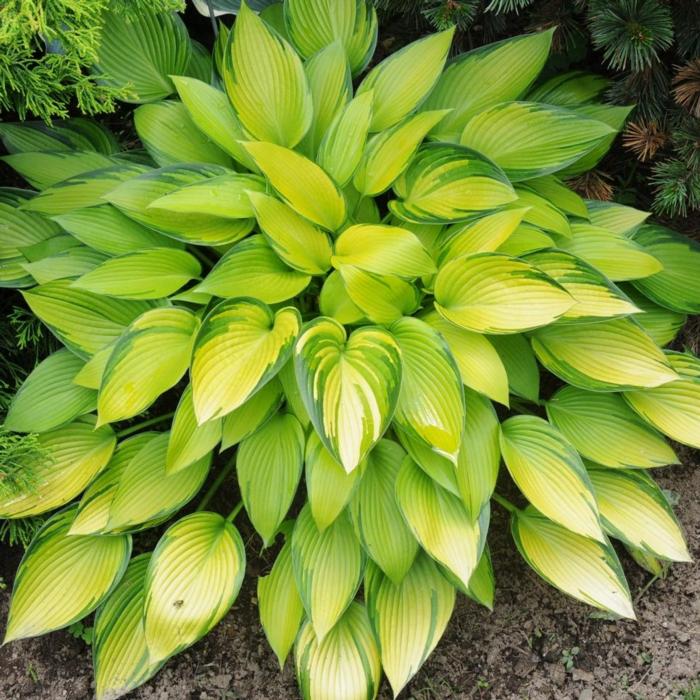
349 286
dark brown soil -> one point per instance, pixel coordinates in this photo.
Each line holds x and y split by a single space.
514 652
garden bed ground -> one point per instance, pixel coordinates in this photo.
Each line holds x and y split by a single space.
514 652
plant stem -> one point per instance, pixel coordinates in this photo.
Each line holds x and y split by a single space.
144 424
212 17
225 471
232 515
504 502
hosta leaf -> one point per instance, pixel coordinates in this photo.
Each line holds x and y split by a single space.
70 263
279 604
241 345
72 457
673 408
431 400
440 469
149 358
251 414
144 274
487 76
403 80
480 366
634 509
93 511
549 471
328 568
87 189
389 153
482 583
552 188
663 325
349 386
342 146
292 393
134 198
309 190
605 430
225 196
381 298
495 293
595 295
530 140
252 268
328 73
570 88
212 113
141 52
120 656
384 250
520 363
171 137
107 230
409 618
43 170
265 80
479 455
541 212
440 522
345 664
676 286
145 493
615 256
335 302
189 441
192 580
482 233
615 217
62 135
581 567
297 242
314 24
524 240
48 398
602 356
376 515
328 485
63 578
273 454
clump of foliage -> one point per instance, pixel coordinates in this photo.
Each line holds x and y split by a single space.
350 280
652 50
48 51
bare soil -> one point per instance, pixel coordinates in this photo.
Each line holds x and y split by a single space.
514 652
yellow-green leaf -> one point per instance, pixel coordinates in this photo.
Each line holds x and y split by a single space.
495 293
605 430
299 243
62 578
581 567
634 509
349 385
603 356
252 269
328 569
549 471
403 80
345 664
279 604
48 398
376 515
241 345
520 363
328 485
301 183
273 454
69 460
431 400
440 522
192 580
408 618
265 80
149 358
